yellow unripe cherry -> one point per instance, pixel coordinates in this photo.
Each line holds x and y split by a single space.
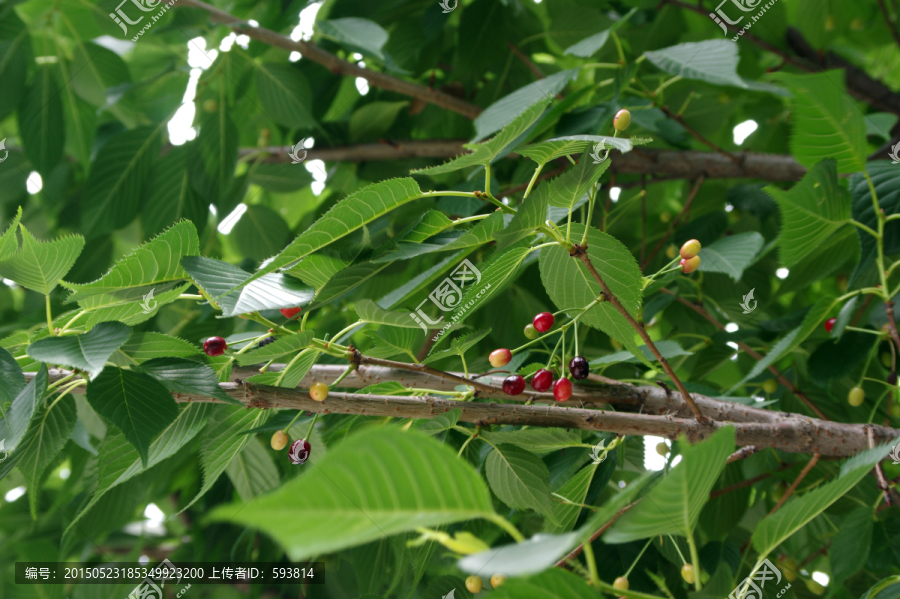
473 583
498 579
319 391
279 440
690 249
622 120
856 397
689 265
770 386
687 573
621 584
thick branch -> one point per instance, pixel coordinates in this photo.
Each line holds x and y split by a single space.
581 254
336 65
784 431
678 164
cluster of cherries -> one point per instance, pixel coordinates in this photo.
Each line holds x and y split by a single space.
474 583
543 379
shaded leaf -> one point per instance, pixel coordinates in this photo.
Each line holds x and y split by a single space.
87 351
731 255
179 375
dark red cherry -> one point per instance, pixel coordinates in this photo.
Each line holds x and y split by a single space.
513 385
543 322
214 346
299 452
829 324
290 312
579 368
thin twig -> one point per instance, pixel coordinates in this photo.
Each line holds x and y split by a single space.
891 24
797 481
753 354
581 253
697 135
577 551
879 472
687 205
527 62
748 482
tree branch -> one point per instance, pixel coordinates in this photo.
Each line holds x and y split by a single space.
581 253
809 466
788 432
334 64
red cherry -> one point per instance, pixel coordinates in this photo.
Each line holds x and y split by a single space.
290 312
542 380
299 452
214 346
513 385
543 322
829 324
500 357
562 389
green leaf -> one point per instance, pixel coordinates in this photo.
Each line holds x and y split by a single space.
811 212
569 283
712 61
221 442
141 347
9 243
41 121
14 59
374 119
826 122
668 349
273 291
536 440
283 345
50 429
568 189
591 45
213 161
369 311
348 215
505 110
529 216
179 375
170 197
285 95
575 490
119 461
518 478
291 375
889 588
673 506
480 234
95 69
119 178
775 528
487 152
87 351
852 544
392 341
887 188
459 346
407 480
430 426
260 233
252 471
156 262
843 317
794 338
544 151
12 380
356 34
345 281
732 255
23 408
39 265
280 178
136 403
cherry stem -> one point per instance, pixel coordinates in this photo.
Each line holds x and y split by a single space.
637 559
288 427
311 425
